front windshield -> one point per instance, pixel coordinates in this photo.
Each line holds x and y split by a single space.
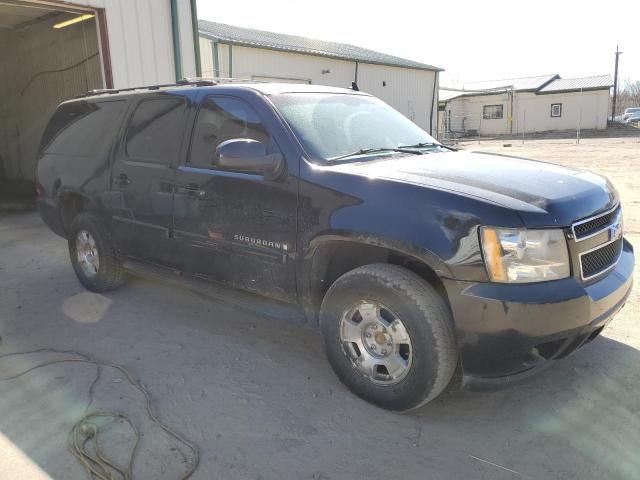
333 125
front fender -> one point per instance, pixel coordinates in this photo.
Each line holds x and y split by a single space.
313 267
420 254
437 227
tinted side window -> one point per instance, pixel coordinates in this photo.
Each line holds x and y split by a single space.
221 119
155 130
78 128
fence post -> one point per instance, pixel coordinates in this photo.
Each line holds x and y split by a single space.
579 127
524 120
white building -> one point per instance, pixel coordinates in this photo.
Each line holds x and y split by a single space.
53 50
528 104
410 87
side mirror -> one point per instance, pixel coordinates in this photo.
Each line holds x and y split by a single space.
246 155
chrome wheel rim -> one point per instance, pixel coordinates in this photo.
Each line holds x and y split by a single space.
377 342
87 254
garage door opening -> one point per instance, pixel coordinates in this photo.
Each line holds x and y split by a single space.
49 52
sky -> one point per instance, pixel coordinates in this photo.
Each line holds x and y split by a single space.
471 40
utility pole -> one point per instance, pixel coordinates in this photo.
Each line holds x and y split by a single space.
615 86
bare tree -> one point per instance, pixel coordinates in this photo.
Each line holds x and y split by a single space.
628 96
633 91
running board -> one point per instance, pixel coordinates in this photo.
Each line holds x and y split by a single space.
245 301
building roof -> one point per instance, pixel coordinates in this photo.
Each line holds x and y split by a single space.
444 95
519 84
540 84
249 37
597 82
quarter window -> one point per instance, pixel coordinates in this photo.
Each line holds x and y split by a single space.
155 130
556 109
78 128
221 119
492 112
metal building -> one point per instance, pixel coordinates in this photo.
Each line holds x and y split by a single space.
410 87
52 50
528 104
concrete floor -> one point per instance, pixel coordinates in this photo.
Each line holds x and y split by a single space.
257 397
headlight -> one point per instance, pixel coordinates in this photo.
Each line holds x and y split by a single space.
520 256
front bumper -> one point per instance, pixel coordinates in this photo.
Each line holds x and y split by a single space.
508 332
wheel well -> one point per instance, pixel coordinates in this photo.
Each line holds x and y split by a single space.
70 205
339 257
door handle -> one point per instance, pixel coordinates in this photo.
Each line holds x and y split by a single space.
121 180
191 189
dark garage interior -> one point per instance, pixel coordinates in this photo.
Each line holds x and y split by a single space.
49 53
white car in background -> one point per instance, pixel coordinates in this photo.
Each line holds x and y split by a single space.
626 115
629 111
633 117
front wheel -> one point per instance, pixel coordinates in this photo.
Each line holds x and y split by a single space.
389 336
93 255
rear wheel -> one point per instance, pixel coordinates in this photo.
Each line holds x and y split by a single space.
389 336
93 255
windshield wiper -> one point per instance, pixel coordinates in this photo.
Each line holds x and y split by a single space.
429 144
366 151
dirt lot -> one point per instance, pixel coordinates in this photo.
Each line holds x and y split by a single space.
257 397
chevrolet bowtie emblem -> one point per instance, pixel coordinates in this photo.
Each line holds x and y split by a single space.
615 231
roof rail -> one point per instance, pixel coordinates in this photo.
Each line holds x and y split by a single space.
196 82
238 80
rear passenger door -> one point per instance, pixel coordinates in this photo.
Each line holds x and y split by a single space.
236 228
142 178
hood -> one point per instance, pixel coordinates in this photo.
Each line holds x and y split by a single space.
543 194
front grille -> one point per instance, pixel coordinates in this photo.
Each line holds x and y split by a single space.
593 225
601 259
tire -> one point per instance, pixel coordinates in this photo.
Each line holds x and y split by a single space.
424 372
107 273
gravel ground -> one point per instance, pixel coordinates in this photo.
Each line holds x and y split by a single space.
257 397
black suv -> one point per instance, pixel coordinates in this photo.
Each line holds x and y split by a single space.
420 264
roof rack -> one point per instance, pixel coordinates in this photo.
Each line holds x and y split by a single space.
237 80
196 82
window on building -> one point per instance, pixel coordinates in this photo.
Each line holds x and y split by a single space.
492 112
155 130
221 119
78 128
556 109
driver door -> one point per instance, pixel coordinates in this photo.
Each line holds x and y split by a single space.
233 227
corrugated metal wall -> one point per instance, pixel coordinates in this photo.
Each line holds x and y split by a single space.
206 58
223 65
141 42
186 38
40 68
531 112
255 62
467 114
409 91
587 109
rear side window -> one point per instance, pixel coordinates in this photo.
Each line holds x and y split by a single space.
155 130
78 128
221 119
